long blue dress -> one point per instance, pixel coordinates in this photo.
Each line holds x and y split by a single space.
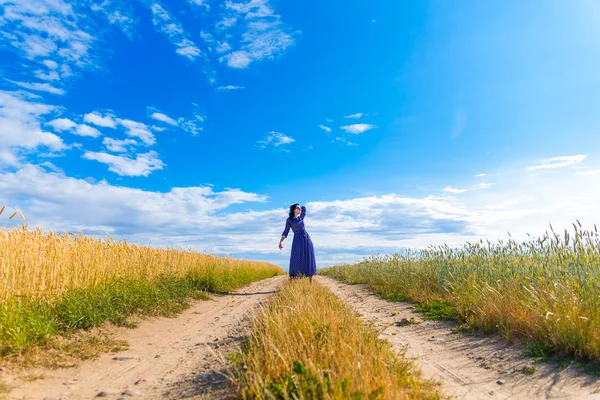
302 258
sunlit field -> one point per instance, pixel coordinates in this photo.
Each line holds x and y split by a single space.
308 344
544 291
54 283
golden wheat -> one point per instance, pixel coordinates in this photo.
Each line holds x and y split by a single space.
41 264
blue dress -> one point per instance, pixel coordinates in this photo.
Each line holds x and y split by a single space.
302 258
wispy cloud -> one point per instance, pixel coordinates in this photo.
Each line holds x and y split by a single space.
479 175
558 162
39 87
137 130
275 139
264 34
192 125
229 87
203 3
355 116
106 121
357 129
174 31
164 118
141 165
451 189
117 145
117 13
223 47
344 140
325 128
57 35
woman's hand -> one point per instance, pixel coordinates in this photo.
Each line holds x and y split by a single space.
280 246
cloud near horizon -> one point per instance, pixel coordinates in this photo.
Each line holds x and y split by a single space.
343 230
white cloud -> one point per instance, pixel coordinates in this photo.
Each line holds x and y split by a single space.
484 185
62 124
325 128
65 124
21 132
558 162
200 3
142 165
39 87
50 64
106 121
480 175
344 140
329 120
174 31
86 130
227 22
118 13
222 47
158 128
137 130
451 189
275 139
355 116
356 129
118 146
229 87
191 125
386 223
164 118
52 33
264 35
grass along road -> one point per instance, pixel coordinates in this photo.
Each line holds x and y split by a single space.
167 358
468 366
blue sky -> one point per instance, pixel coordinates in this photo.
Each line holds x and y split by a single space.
399 124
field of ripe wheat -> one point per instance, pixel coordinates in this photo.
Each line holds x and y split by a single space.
53 283
545 291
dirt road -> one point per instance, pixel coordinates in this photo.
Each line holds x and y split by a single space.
468 366
182 358
168 358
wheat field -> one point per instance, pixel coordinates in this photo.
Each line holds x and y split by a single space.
545 291
53 283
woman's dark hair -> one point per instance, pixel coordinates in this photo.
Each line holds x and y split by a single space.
292 208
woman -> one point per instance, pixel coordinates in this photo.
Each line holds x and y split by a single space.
302 258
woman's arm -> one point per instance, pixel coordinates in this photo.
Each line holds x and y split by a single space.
303 213
285 233
281 241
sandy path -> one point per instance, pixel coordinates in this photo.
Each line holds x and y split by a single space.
468 366
167 358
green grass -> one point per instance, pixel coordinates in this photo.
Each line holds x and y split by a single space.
438 310
528 370
33 323
544 291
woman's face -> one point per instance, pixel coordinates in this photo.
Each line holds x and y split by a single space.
297 210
